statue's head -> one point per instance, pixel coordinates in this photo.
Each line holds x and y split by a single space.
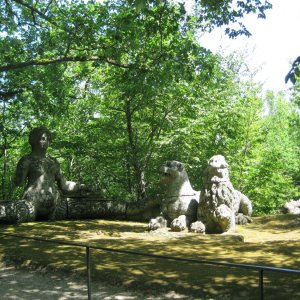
218 162
172 171
40 137
218 168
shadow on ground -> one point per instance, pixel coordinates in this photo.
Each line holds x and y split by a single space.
268 241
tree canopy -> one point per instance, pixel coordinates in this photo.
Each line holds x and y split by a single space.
126 85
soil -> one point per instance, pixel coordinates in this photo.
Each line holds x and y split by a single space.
49 274
16 283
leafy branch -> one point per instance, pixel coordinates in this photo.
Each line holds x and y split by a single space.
33 9
45 62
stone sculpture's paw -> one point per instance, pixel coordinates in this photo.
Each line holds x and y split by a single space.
224 218
179 224
157 223
197 227
242 219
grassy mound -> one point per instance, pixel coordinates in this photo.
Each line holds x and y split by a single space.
268 241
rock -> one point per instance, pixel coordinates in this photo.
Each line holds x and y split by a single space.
291 207
157 223
179 224
197 227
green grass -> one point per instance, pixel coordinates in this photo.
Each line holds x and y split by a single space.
268 241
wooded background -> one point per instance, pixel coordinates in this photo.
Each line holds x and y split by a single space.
126 85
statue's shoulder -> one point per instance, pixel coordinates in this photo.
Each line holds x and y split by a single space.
53 159
24 164
25 159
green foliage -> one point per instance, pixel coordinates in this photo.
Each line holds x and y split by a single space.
216 13
125 86
294 73
272 180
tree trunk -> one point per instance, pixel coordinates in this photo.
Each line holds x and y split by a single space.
139 173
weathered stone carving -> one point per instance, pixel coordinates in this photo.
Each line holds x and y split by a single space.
242 208
197 227
179 206
49 196
221 206
42 198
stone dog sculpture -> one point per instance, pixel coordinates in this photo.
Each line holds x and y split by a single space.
179 207
221 206
42 198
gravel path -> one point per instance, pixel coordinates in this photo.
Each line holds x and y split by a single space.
34 285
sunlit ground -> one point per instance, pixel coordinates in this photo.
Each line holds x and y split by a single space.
268 241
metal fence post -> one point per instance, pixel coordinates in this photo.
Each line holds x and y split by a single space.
260 269
261 284
88 270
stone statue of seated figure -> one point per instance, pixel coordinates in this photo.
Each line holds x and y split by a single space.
44 184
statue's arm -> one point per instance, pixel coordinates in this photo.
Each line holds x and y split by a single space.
69 186
66 185
22 171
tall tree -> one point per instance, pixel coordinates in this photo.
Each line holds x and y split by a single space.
129 87
273 179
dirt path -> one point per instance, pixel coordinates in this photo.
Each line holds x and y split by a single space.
34 285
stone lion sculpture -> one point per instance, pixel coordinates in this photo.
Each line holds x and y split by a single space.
180 204
220 205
